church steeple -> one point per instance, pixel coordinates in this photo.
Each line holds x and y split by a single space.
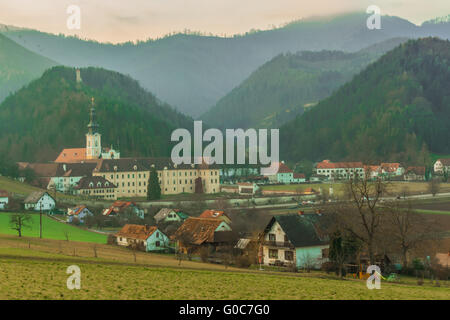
93 137
93 125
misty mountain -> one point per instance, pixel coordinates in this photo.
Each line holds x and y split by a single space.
18 66
192 72
284 87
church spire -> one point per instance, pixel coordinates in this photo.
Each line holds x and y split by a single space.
93 125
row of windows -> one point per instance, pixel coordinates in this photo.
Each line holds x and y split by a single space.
288 255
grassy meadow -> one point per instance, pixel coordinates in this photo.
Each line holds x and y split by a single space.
25 274
51 229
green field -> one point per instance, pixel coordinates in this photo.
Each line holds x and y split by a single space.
51 229
431 211
46 279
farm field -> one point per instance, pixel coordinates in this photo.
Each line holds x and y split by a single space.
25 275
51 229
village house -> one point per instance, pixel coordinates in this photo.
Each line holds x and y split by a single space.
4 199
197 233
340 170
415 174
122 207
143 237
294 239
246 188
96 187
68 176
216 214
39 201
442 165
167 215
78 213
389 170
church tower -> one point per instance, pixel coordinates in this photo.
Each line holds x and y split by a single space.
93 137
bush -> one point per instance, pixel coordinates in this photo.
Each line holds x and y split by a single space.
204 254
329 267
243 262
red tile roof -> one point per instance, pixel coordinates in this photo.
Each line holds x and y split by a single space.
299 176
118 206
420 171
327 164
72 155
212 214
390 167
4 194
197 230
283 168
134 231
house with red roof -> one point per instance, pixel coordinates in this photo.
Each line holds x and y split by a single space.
340 170
286 175
143 237
415 174
122 207
215 214
78 213
392 170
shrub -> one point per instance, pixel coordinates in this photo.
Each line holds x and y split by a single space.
243 262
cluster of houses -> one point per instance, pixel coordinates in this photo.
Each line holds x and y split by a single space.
287 240
327 170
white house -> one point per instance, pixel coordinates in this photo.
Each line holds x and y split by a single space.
442 165
294 239
4 199
340 170
39 200
80 213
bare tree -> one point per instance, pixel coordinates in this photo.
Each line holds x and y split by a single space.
405 229
361 215
66 234
19 221
434 186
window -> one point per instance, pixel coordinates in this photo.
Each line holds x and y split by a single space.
289 255
273 253
157 244
272 237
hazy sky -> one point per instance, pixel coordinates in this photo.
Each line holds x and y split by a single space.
123 20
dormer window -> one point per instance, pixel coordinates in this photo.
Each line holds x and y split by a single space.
135 167
91 184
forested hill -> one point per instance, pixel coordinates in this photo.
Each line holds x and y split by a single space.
52 113
283 87
394 110
18 66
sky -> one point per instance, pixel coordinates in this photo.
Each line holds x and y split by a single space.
120 21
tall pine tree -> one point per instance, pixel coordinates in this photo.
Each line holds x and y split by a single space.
153 187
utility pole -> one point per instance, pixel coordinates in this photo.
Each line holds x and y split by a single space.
40 220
